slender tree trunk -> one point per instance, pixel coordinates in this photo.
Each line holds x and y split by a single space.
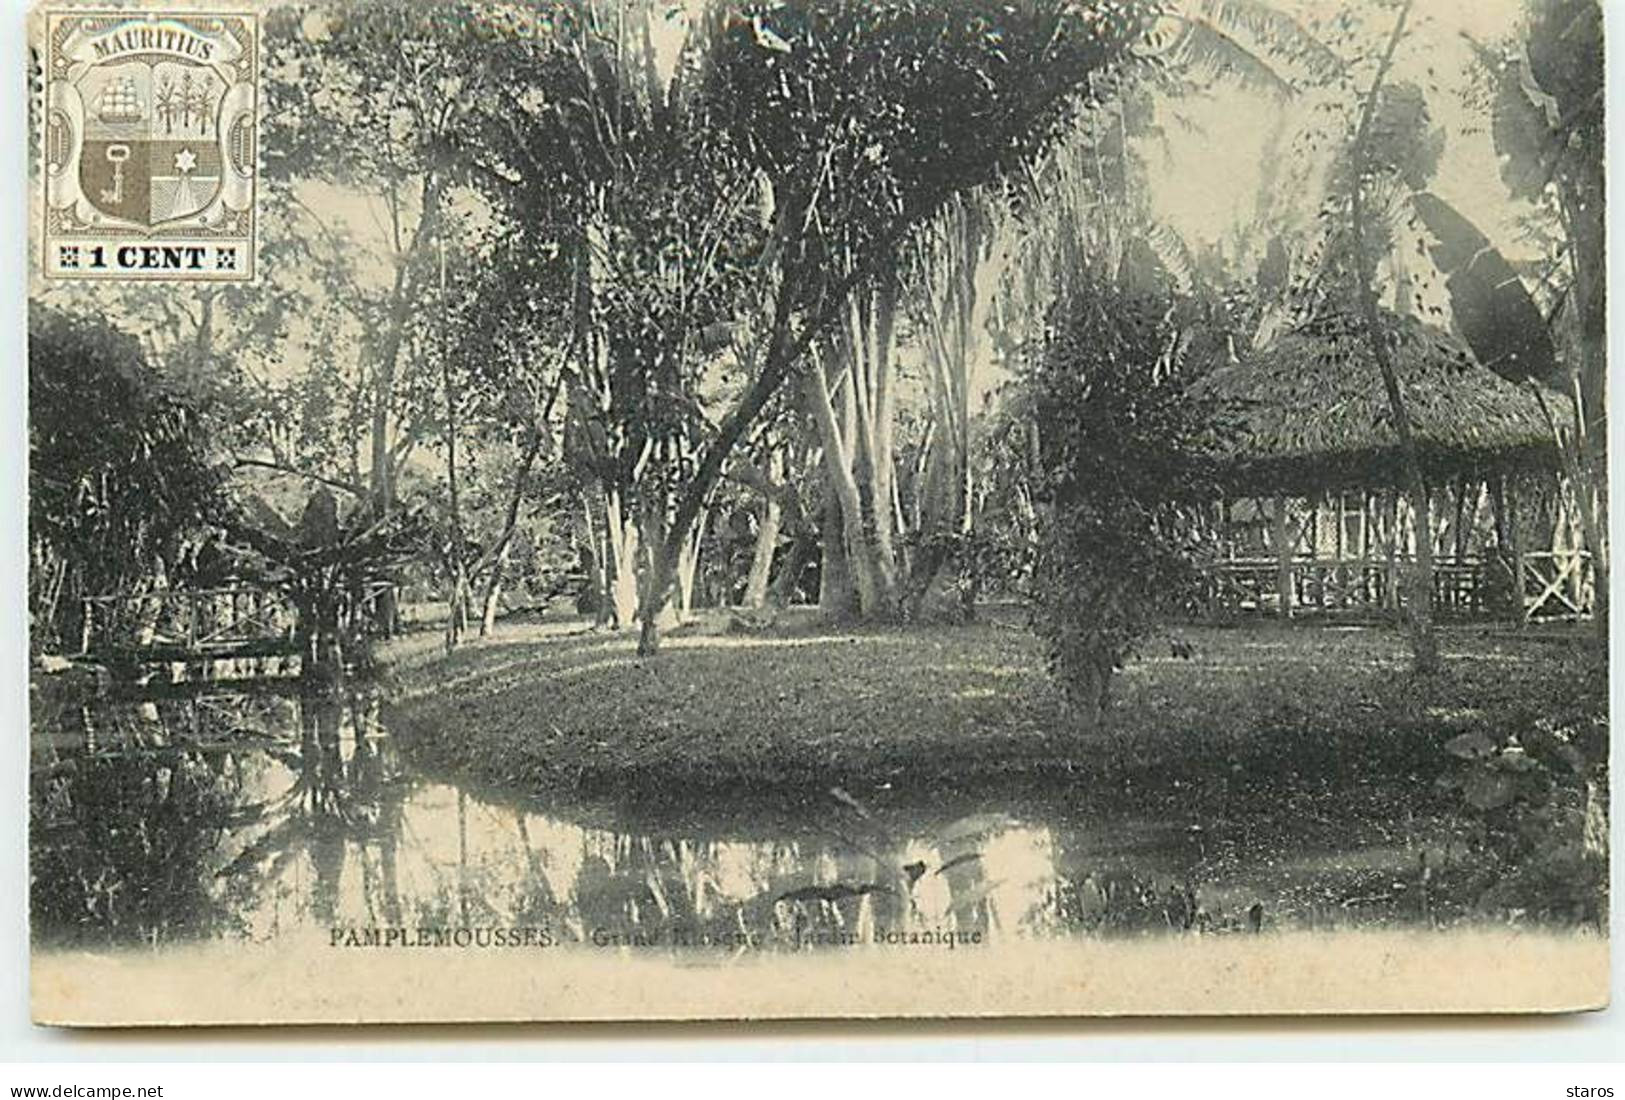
389 350
493 593
457 617
622 533
594 561
383 397
1419 608
761 562
1585 202
876 344
688 566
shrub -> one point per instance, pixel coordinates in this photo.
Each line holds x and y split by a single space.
1130 471
1540 797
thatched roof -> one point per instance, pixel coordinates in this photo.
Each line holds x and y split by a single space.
1315 416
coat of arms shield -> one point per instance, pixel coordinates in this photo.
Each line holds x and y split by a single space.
151 151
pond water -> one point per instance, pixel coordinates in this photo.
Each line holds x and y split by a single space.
250 816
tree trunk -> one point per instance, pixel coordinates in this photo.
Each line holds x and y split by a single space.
656 611
1090 675
1419 607
622 534
493 594
667 582
1584 201
944 509
837 594
594 561
783 591
383 396
457 600
761 562
457 619
870 578
389 349
688 565
873 344
666 594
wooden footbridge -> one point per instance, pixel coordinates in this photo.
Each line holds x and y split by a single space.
196 628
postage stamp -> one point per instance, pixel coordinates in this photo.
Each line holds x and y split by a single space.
149 145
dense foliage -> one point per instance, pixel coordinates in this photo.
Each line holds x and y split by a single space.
1131 476
121 488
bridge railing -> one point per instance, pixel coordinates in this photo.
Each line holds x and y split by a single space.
201 621
189 619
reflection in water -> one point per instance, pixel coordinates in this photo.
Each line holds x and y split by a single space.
248 817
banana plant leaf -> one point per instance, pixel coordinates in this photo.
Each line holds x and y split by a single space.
1494 311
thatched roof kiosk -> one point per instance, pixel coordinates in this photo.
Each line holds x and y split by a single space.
1315 518
1315 419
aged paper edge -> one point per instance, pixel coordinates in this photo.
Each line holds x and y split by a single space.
1470 972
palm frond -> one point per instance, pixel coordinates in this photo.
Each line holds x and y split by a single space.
1203 52
1245 40
1173 254
1274 32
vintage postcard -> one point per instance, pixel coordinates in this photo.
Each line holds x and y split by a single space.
701 509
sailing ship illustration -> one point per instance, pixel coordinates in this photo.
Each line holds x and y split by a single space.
120 102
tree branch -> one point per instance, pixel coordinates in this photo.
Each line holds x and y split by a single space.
261 464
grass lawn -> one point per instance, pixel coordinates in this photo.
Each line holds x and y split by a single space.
561 707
